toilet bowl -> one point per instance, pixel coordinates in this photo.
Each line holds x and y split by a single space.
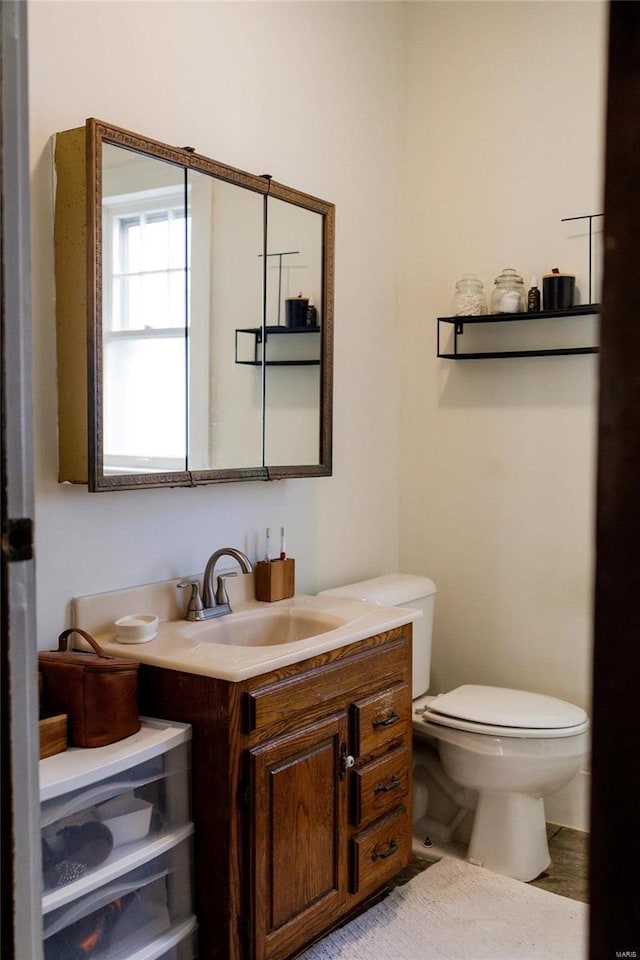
520 748
484 757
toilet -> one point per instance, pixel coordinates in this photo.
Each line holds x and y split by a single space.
484 757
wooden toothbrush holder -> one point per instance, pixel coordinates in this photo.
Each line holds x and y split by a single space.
275 579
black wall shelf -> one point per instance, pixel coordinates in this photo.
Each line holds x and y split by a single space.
459 323
256 333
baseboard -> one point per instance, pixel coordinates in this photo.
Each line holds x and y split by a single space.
569 807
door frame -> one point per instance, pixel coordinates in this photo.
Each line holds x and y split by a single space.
615 808
21 860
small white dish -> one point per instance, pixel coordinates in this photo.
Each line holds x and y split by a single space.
127 817
137 628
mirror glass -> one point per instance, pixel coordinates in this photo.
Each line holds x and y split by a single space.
213 320
145 232
225 293
294 304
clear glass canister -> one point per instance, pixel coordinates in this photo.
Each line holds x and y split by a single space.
469 300
509 295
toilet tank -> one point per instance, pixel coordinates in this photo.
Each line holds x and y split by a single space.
401 590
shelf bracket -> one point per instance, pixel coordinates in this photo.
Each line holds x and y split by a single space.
590 217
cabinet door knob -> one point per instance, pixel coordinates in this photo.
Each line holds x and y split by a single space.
346 761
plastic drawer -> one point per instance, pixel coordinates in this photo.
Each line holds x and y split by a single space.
87 832
185 947
123 918
179 943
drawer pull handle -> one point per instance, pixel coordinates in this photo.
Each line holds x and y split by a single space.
385 787
390 720
391 849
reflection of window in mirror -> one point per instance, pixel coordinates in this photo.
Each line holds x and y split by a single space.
145 276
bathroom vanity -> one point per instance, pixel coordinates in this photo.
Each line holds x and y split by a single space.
300 713
301 791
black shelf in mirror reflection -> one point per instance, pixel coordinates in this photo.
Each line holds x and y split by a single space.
280 363
270 330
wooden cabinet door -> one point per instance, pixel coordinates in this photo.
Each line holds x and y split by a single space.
298 836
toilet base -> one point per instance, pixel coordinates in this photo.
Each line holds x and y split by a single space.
510 835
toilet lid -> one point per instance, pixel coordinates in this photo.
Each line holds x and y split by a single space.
501 707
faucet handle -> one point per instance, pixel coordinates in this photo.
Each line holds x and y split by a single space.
221 593
195 605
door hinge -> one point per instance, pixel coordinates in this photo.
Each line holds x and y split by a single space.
17 539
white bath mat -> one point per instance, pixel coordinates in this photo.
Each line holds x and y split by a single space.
456 911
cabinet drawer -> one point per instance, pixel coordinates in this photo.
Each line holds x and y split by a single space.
121 917
274 705
380 852
380 785
381 718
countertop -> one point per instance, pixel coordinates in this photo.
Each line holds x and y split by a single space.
183 646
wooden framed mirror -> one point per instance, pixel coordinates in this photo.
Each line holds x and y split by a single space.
194 307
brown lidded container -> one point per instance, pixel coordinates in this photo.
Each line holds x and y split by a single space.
98 693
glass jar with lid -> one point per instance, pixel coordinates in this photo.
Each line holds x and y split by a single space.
509 295
469 299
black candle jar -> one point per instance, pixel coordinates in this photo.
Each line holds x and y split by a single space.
296 311
558 291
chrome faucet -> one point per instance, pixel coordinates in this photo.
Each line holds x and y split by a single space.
213 604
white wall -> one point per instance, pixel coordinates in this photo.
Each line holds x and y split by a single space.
311 93
505 138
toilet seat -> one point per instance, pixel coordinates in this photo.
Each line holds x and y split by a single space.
498 711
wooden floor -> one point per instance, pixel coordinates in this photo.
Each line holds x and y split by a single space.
567 875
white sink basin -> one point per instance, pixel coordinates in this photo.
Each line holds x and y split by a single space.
252 640
264 628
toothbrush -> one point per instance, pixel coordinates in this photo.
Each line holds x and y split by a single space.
267 549
283 549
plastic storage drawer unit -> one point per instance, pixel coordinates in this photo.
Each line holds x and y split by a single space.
116 847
